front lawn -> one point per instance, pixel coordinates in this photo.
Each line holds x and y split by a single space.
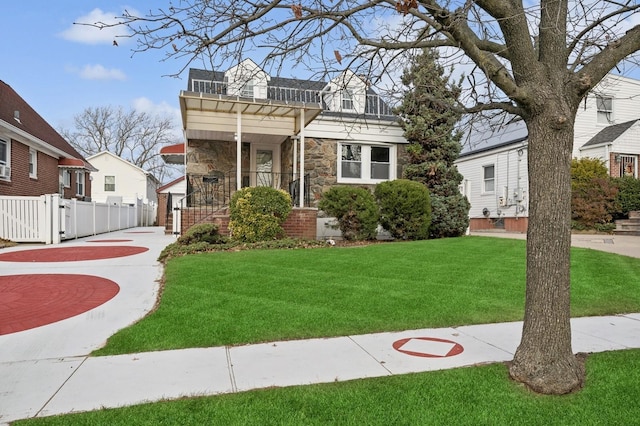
230 298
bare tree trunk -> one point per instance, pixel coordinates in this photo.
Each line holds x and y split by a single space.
544 361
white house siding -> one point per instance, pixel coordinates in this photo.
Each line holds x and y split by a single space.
132 182
364 130
506 206
625 106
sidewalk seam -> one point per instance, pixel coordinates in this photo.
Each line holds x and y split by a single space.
60 387
232 377
379 362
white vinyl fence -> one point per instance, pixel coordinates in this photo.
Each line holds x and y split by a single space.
50 219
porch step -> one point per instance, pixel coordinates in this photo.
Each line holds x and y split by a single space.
629 226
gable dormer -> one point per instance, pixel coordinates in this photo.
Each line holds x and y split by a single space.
346 93
247 80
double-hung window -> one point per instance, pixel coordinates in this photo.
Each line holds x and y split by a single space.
359 163
247 90
380 162
351 161
66 178
5 155
80 183
33 163
347 100
109 183
488 178
604 106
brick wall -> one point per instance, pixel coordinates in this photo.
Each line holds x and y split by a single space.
511 224
20 183
301 223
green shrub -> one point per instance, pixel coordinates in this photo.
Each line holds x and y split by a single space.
593 202
628 198
354 208
405 208
257 214
593 194
583 170
202 232
449 215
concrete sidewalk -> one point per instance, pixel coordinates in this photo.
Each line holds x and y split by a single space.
46 371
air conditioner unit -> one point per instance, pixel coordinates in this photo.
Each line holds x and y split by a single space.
5 171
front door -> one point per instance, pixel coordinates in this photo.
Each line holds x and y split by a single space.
265 162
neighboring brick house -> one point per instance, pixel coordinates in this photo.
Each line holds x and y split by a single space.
244 127
34 158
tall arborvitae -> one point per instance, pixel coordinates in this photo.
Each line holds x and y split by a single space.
429 119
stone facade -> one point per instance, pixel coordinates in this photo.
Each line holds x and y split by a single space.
217 157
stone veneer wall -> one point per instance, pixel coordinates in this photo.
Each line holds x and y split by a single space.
204 157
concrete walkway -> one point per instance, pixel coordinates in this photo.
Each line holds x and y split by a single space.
46 370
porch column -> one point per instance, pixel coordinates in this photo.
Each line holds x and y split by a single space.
294 139
302 157
238 149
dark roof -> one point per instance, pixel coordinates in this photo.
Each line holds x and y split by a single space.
610 133
494 136
292 83
30 121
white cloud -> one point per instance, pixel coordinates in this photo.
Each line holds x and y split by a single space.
98 72
163 109
91 35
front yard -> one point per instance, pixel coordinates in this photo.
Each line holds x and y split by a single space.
251 296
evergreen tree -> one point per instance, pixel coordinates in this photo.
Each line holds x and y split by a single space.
429 119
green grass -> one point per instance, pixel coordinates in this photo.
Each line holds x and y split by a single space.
465 396
229 298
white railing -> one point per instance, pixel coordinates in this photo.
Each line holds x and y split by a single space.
50 219
374 104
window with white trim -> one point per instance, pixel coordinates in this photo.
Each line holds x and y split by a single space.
109 183
80 183
488 178
604 106
247 90
33 163
380 162
5 157
66 178
347 99
360 163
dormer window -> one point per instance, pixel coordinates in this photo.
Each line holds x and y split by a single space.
247 90
347 99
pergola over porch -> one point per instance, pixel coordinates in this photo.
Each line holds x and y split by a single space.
259 122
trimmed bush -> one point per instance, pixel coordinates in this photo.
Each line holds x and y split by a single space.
354 208
593 202
405 209
593 194
257 214
202 233
628 198
449 215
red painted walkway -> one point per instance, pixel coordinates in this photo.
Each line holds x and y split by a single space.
34 300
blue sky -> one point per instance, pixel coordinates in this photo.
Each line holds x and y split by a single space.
60 68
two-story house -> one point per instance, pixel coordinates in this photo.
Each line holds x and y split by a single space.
494 162
34 158
244 127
